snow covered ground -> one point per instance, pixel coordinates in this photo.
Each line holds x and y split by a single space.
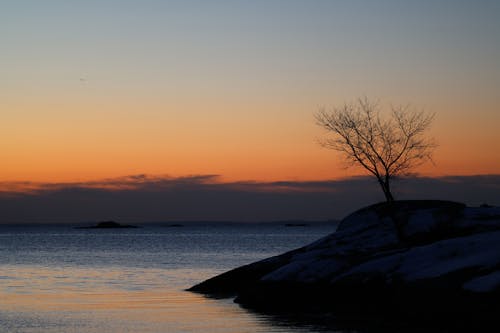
435 254
367 242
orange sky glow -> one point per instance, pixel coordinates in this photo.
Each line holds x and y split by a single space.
234 93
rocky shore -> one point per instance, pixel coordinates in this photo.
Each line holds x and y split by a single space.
423 258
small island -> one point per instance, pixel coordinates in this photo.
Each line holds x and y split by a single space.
108 225
296 224
173 225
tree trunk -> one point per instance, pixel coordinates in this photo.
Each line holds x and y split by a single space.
388 195
384 183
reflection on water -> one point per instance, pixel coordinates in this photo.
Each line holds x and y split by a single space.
57 279
36 299
61 280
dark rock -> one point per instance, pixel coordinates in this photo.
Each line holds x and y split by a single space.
425 257
238 279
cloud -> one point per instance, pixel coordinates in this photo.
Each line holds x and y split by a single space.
143 198
133 182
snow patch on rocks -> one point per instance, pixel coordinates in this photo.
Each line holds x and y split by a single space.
368 243
485 283
434 260
428 245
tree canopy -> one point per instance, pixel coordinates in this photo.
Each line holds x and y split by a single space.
385 145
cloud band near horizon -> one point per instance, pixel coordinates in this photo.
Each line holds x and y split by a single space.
145 198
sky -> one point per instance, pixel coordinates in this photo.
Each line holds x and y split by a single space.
93 90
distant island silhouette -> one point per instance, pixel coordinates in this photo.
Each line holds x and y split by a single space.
108 225
296 224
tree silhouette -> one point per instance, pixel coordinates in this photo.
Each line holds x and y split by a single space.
385 146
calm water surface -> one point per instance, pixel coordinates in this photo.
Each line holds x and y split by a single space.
61 279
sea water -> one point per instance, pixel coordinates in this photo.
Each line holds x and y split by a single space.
56 278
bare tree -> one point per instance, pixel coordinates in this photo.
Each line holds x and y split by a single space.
385 147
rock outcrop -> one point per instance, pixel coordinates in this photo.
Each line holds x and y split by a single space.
408 256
